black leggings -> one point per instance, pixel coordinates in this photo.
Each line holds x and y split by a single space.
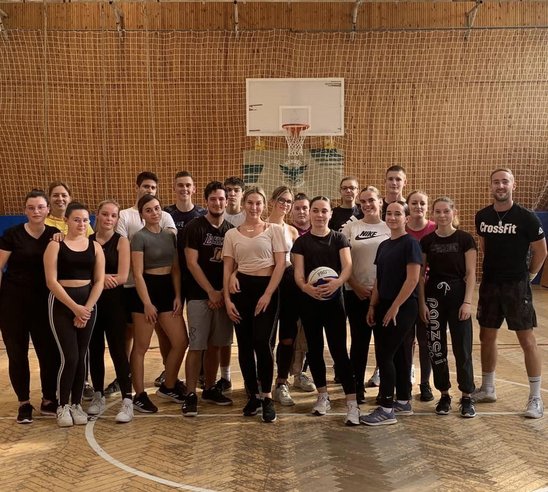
393 358
72 343
110 322
444 300
254 333
20 322
317 315
360 333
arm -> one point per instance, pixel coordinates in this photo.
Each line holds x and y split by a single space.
333 284
275 279
229 265
538 255
120 277
4 256
470 261
370 317
215 296
411 281
176 278
137 264
300 279
98 277
424 312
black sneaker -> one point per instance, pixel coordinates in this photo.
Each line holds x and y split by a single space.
467 409
269 412
142 403
160 379
48 408
224 384
252 407
173 394
190 405
426 392
360 394
215 395
444 405
181 387
24 415
112 389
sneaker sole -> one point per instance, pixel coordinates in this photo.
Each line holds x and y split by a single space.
318 414
349 423
384 422
533 416
442 413
123 421
24 421
168 397
143 410
94 413
190 414
404 412
468 416
45 413
269 421
221 404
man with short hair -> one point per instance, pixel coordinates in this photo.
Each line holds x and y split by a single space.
300 214
395 181
210 328
234 192
348 210
184 210
507 232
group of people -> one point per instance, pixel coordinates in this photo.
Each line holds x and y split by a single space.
242 264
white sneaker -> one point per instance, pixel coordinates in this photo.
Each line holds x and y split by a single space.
64 418
126 412
352 414
534 408
79 417
97 405
303 382
374 380
281 395
323 405
481 395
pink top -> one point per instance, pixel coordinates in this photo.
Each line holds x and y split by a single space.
427 229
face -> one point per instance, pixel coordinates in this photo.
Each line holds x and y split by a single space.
418 205
147 187
107 217
216 203
36 210
502 186
152 212
254 205
284 203
443 214
234 195
349 190
320 213
370 204
395 182
59 200
301 213
395 217
78 222
184 188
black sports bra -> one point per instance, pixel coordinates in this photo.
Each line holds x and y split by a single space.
75 265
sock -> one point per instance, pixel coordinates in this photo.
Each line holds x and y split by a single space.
403 402
488 380
387 409
534 387
225 373
351 403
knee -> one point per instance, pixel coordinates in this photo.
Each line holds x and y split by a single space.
488 335
527 341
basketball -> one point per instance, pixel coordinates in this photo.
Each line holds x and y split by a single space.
318 276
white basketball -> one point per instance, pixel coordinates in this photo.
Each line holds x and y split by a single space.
318 276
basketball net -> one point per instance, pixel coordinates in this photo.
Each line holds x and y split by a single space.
295 138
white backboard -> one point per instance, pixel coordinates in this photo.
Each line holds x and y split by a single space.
315 102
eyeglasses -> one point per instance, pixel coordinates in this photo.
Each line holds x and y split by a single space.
349 188
284 201
40 208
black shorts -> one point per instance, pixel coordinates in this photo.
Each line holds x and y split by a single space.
510 300
161 292
131 302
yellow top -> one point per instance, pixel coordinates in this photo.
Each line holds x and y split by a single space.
62 225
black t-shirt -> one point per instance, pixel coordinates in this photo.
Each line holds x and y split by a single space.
445 255
110 249
341 216
25 267
393 256
320 251
507 237
181 219
208 241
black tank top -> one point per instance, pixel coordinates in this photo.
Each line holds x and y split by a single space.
75 265
110 248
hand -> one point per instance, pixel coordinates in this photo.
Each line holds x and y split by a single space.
312 291
232 312
370 317
330 287
390 315
262 304
424 313
82 312
151 313
216 299
233 284
177 307
362 292
465 311
110 282
79 322
58 237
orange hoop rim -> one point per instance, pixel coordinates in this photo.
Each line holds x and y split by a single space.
295 128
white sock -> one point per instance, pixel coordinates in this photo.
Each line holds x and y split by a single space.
534 387
403 402
488 380
351 403
225 373
387 410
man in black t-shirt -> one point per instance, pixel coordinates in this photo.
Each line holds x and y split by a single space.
507 231
208 323
348 210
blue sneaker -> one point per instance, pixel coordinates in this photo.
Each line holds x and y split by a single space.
403 408
379 417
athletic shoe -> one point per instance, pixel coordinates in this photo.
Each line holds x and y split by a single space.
173 394
252 406
467 409
142 403
190 405
534 408
125 414
64 417
403 408
269 412
224 384
352 414
481 395
322 406
426 392
98 403
112 389
24 414
360 394
160 379
281 395
379 417
444 405
181 387
79 417
48 408
374 380
88 393
412 374
303 382
215 395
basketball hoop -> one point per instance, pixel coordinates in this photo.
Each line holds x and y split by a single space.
295 138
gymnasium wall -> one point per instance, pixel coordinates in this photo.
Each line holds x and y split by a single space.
83 101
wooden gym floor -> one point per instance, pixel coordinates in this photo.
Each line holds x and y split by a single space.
221 451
